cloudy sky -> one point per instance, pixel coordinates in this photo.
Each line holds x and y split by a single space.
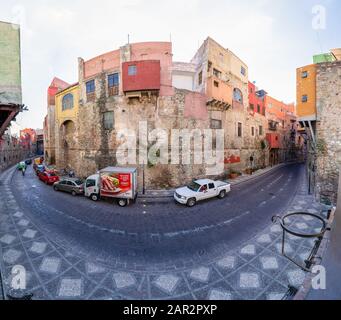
272 37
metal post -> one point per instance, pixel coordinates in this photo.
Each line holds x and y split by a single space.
143 180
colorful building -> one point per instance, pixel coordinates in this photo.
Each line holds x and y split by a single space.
50 122
318 108
66 113
140 83
10 74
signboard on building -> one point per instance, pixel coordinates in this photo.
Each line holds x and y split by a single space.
10 64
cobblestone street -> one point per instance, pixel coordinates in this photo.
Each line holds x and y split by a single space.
254 269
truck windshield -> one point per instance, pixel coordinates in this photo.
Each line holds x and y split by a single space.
194 186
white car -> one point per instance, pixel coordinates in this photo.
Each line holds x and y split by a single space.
201 190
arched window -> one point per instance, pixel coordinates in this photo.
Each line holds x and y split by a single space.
67 103
237 95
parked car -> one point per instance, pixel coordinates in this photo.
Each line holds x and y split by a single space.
201 190
113 183
48 177
71 185
28 162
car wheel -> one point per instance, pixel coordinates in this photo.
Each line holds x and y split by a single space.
94 197
122 202
55 188
222 195
191 202
46 182
74 193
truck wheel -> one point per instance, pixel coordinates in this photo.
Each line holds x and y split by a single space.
222 195
122 202
94 197
191 202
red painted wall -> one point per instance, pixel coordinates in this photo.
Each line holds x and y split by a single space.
255 100
148 76
273 140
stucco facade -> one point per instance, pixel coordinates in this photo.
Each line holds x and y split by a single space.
118 91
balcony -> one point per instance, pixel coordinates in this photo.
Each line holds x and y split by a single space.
141 76
91 97
219 94
113 91
273 125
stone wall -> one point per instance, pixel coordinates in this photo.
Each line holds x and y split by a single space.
10 152
328 130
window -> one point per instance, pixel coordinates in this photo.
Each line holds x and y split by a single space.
260 130
211 186
204 188
252 131
243 71
113 84
200 78
305 98
240 130
67 102
90 86
216 124
237 95
113 80
216 84
216 73
304 74
258 108
90 183
108 120
132 70
252 107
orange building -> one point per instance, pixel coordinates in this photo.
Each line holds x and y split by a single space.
306 93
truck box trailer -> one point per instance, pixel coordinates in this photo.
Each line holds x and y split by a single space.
114 183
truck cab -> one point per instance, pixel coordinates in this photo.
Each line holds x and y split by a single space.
92 187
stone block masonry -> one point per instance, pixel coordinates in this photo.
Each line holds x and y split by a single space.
328 131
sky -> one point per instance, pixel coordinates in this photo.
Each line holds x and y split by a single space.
272 37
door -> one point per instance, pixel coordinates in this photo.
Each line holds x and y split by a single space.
204 192
62 186
213 191
90 187
69 186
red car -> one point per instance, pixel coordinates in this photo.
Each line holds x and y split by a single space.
48 177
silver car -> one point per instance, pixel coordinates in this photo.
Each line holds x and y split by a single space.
71 185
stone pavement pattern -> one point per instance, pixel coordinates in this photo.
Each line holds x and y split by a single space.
255 270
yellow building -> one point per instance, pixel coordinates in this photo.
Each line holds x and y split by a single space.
306 93
67 104
67 110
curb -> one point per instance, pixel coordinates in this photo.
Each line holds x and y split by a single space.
304 290
163 198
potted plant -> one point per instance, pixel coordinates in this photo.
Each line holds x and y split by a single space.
234 174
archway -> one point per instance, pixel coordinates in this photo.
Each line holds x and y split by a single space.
68 140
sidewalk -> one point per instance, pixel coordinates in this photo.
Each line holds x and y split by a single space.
163 194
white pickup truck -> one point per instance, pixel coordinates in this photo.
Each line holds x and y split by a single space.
201 190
